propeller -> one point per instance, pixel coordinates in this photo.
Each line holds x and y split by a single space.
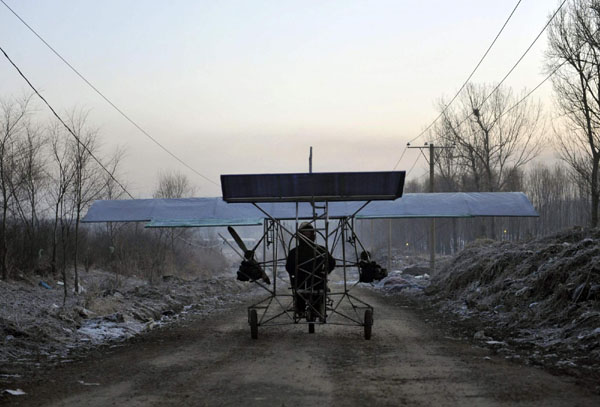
248 254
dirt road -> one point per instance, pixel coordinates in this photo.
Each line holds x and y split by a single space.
212 361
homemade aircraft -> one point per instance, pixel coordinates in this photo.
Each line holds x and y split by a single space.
330 203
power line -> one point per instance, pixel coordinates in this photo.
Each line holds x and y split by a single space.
525 53
106 98
528 94
470 75
513 68
65 124
401 155
464 83
551 74
413 166
77 138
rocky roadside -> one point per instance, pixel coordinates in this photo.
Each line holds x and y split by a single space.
37 331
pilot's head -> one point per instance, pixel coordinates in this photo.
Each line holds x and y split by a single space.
306 229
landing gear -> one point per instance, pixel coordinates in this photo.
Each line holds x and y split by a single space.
368 323
253 320
310 317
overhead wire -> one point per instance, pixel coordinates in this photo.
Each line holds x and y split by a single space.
85 147
471 74
525 53
413 166
404 151
528 93
550 74
423 154
114 106
464 83
401 156
513 68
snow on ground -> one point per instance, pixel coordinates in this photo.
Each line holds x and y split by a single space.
538 300
36 329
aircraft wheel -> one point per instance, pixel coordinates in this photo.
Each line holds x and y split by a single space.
368 323
253 317
310 318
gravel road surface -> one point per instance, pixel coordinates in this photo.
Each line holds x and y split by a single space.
212 361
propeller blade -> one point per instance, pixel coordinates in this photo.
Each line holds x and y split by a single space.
242 246
237 239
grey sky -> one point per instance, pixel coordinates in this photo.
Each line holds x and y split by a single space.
248 86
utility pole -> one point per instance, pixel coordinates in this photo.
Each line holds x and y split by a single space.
389 262
431 160
310 160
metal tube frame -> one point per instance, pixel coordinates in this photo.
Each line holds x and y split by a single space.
279 307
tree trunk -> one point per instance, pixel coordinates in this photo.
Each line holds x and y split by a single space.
64 263
76 250
3 248
594 190
53 261
3 245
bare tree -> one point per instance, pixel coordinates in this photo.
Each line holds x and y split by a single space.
111 190
87 183
555 197
62 175
170 185
574 53
492 139
30 170
13 118
173 185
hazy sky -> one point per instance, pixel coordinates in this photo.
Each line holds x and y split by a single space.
248 86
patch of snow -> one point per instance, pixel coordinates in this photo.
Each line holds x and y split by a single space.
99 330
87 384
591 334
17 392
566 363
521 291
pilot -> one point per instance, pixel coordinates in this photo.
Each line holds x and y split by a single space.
308 265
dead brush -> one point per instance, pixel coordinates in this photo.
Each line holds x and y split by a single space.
110 285
92 292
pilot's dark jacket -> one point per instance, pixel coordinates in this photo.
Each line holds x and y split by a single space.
308 265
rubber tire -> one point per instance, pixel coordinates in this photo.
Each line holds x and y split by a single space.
253 324
310 318
368 323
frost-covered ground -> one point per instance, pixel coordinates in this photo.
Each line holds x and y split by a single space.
36 329
536 301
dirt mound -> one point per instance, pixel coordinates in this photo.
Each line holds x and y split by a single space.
543 294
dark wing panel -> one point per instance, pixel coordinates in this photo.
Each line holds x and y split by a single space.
318 187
